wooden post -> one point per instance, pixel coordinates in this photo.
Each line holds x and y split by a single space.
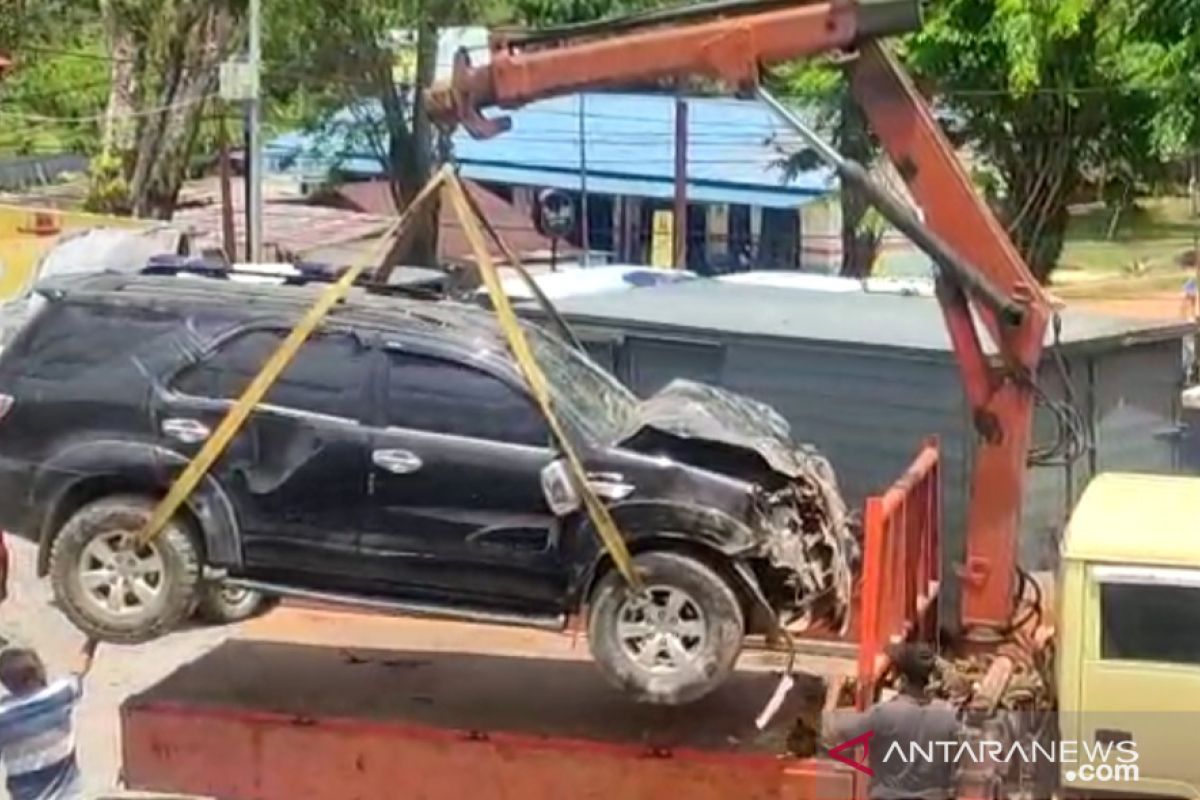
228 228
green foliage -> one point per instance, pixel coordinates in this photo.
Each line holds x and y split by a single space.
1048 94
545 13
108 191
50 81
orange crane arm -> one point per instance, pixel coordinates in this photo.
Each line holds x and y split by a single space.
980 272
731 49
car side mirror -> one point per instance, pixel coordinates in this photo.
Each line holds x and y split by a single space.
559 489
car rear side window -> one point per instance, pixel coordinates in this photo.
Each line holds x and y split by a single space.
327 376
1150 622
440 396
70 339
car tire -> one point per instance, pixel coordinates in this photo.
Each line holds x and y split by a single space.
676 642
223 604
113 593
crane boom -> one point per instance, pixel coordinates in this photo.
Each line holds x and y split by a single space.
729 48
980 272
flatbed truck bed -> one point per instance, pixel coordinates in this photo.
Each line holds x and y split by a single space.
324 704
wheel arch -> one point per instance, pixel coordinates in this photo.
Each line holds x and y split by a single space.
710 536
87 472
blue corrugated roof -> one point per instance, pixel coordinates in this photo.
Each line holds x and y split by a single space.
734 150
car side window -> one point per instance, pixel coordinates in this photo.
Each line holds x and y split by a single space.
440 396
326 377
1150 622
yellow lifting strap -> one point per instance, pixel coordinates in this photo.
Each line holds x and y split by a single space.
235 418
600 517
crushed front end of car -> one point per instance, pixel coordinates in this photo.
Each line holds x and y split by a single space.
806 550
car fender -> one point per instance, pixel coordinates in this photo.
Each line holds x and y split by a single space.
672 523
132 466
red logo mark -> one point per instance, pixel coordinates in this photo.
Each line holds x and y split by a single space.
843 753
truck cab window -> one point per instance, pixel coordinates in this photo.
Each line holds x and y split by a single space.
326 377
440 396
1148 622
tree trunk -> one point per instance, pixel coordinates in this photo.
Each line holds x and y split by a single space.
1036 208
119 124
203 38
412 156
859 246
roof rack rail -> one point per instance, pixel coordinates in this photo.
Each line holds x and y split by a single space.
297 274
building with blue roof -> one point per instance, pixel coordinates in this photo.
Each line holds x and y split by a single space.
745 209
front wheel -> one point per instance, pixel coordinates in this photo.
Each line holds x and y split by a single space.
674 642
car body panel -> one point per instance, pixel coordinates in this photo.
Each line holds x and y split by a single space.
138 464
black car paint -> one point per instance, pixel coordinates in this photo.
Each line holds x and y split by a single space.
296 499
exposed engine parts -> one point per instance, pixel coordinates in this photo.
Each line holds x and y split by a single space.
810 536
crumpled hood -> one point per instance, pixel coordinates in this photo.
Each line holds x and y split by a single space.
691 410
805 525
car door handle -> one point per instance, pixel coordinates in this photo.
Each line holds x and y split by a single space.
187 431
399 462
610 485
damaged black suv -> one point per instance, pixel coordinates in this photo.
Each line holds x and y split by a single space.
399 463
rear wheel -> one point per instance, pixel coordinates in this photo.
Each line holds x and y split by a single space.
674 642
225 604
113 590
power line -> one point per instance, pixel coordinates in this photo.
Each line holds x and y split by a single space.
96 118
82 54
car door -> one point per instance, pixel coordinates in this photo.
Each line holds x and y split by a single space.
456 507
1140 682
297 470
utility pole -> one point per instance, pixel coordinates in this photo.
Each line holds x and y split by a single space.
254 170
681 177
585 234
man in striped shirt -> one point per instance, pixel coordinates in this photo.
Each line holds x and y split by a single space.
37 740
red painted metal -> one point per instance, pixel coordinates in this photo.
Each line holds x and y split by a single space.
264 720
727 49
240 755
999 393
901 567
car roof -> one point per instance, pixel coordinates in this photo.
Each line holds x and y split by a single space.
203 297
1147 520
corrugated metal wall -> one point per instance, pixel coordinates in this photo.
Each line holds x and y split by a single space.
1131 396
868 410
1136 408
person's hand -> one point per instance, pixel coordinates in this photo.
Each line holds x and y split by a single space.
833 691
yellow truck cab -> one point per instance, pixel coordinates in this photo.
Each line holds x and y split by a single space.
1128 663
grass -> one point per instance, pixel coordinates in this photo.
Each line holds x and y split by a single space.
1154 234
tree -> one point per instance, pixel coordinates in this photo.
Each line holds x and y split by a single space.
823 91
340 64
187 43
1044 93
544 13
58 76
1048 92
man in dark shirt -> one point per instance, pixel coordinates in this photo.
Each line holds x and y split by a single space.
908 719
